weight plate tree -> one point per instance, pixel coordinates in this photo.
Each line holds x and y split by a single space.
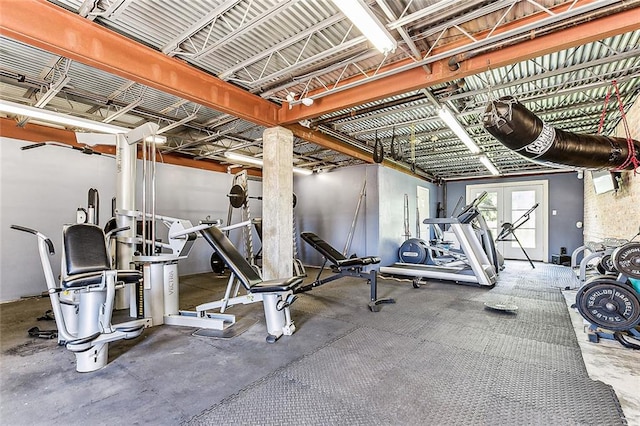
609 304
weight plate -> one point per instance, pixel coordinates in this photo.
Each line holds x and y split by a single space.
237 196
608 304
607 263
626 259
295 200
217 264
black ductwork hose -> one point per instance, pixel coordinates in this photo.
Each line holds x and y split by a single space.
522 131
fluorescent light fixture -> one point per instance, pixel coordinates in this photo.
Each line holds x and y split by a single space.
361 16
301 171
244 158
450 120
259 162
58 118
489 165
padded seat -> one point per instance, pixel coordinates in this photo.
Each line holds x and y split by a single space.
275 286
128 276
333 255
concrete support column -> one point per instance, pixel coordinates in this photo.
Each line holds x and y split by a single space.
277 203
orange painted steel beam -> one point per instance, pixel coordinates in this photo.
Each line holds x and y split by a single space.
329 142
417 78
37 133
334 144
46 26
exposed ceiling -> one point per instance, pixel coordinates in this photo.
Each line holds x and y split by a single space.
215 73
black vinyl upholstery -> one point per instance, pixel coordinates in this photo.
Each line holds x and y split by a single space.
86 257
333 255
248 276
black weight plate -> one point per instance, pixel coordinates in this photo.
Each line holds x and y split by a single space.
626 259
237 196
295 200
607 263
414 250
608 304
217 264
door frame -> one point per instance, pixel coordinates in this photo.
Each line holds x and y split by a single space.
543 208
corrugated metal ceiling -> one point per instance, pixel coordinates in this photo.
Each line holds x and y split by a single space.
306 47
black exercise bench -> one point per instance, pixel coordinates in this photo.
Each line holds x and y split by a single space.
276 295
344 266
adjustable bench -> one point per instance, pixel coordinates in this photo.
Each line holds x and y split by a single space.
276 295
344 266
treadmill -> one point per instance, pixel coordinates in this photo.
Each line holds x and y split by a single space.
477 269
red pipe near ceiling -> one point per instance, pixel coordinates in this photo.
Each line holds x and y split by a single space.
525 133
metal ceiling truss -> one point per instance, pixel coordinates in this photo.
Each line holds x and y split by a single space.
326 59
483 40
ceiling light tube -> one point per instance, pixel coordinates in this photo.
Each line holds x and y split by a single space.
301 171
489 165
58 118
363 18
244 158
450 120
259 162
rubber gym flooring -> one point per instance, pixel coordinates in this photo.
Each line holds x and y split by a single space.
437 357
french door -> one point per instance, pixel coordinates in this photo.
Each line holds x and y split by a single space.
509 203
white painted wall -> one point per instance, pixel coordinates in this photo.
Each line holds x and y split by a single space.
42 188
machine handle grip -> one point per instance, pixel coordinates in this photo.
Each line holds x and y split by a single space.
34 145
37 234
49 244
24 229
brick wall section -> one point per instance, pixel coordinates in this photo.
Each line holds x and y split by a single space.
615 215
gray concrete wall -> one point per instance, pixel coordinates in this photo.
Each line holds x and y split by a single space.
327 203
393 185
42 188
326 206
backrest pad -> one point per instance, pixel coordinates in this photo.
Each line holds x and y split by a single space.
85 249
323 247
231 256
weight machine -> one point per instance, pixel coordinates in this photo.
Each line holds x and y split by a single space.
160 298
474 267
508 231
